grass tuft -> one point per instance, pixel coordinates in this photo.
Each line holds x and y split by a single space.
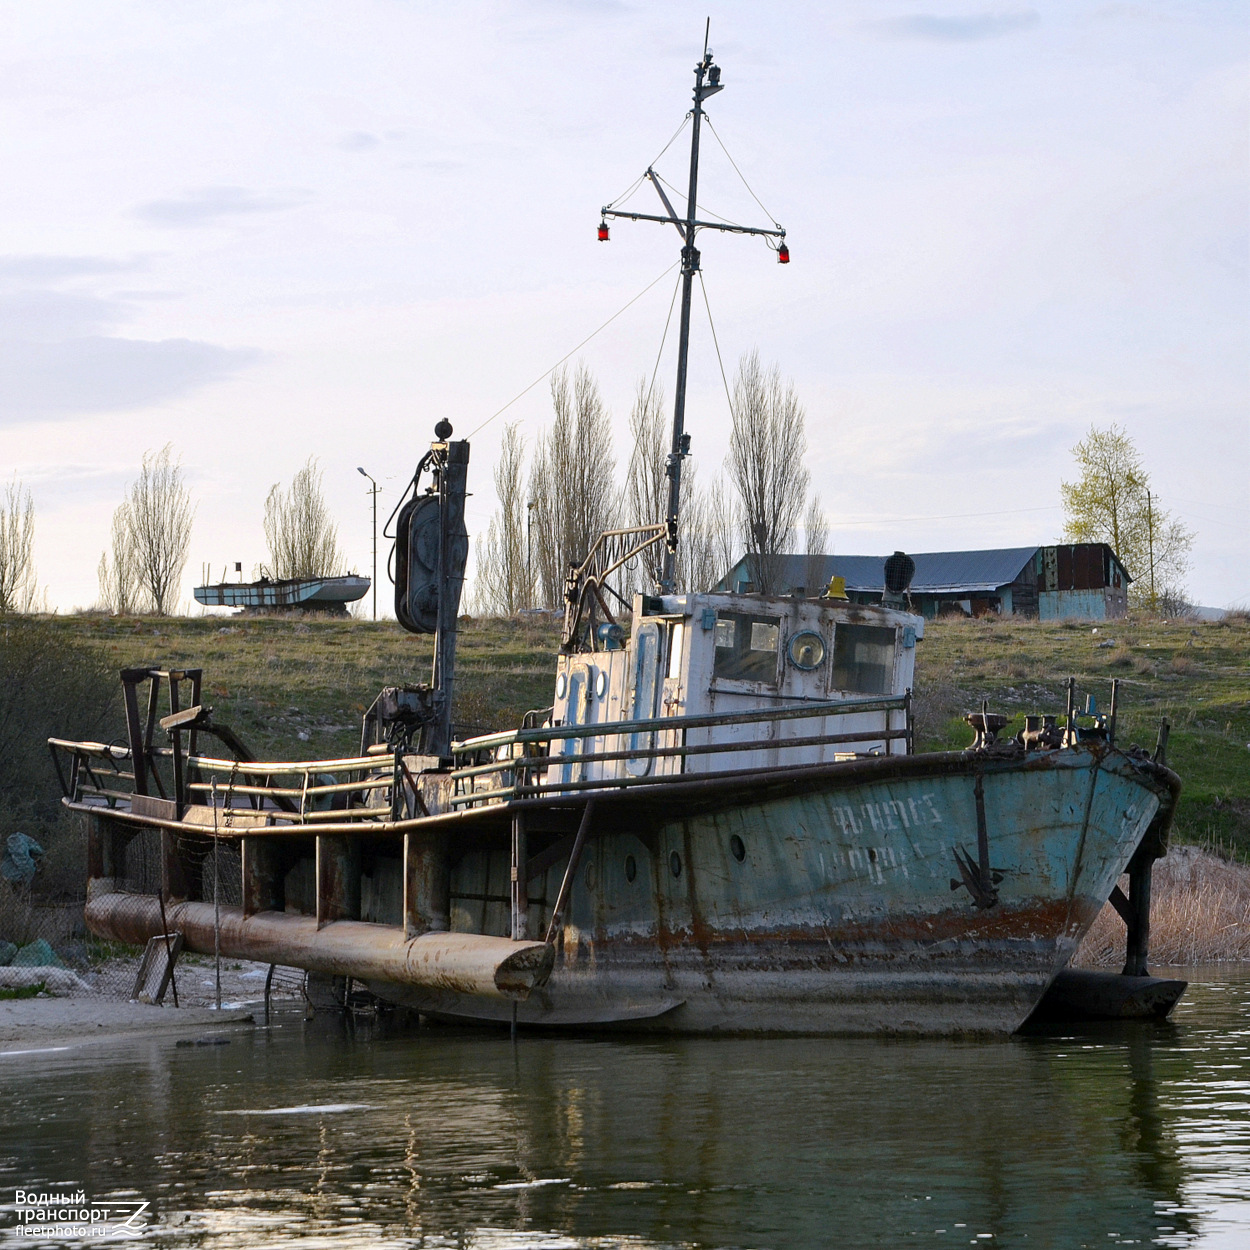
1199 914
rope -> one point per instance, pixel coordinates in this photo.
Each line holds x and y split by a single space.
549 372
737 171
719 361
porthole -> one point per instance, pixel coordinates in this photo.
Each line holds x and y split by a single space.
601 684
806 650
737 849
562 686
674 864
631 867
589 874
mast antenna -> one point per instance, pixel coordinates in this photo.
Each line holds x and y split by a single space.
706 83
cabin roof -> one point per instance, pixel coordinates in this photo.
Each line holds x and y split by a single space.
936 571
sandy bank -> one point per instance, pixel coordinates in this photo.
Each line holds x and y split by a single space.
36 1023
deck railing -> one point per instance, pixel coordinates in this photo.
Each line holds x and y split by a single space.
494 768
522 763
308 797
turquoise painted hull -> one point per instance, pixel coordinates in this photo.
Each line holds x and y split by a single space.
830 898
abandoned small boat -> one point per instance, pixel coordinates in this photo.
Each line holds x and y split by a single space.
721 823
318 594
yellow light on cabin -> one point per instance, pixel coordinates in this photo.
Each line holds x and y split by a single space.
836 588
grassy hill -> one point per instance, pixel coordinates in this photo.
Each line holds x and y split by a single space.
275 679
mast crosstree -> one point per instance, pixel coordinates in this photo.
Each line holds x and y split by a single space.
706 83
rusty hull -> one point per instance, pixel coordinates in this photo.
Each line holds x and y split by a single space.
850 909
936 893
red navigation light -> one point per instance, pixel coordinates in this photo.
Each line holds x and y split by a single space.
783 255
603 232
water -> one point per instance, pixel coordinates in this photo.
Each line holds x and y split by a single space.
1118 1135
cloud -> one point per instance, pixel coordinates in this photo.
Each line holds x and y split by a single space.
60 353
358 141
957 29
50 268
209 205
41 315
96 373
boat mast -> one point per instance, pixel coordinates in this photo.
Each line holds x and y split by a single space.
706 83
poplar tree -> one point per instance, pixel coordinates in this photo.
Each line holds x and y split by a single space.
303 540
17 537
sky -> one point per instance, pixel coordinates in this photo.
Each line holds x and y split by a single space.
262 231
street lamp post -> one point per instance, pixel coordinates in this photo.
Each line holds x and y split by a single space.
373 490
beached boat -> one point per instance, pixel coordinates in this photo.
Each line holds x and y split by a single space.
720 823
316 594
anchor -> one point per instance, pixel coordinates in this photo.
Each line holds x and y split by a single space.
977 875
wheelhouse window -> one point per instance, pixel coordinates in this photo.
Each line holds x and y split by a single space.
746 647
863 659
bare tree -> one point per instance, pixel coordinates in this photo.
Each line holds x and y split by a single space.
722 531
571 481
303 541
696 548
816 539
504 583
151 534
17 538
765 465
646 500
119 588
646 485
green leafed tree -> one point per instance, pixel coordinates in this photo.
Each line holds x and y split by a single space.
1112 502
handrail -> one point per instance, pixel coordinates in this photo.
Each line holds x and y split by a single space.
516 760
288 767
521 769
698 748
294 792
101 750
705 720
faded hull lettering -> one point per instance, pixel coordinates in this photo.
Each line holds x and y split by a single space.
828 923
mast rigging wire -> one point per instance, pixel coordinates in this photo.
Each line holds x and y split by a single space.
737 171
663 338
642 177
729 221
715 341
547 373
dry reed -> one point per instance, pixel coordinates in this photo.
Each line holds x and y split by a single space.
1200 914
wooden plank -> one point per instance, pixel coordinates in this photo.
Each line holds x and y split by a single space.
156 968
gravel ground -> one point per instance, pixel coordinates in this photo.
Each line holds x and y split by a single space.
101 1008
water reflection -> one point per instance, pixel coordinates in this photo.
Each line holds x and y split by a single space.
1136 1135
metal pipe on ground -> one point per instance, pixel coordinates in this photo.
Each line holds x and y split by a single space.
460 963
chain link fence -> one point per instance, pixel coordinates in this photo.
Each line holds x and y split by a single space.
41 932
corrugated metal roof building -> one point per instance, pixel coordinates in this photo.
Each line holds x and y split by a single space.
1084 580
